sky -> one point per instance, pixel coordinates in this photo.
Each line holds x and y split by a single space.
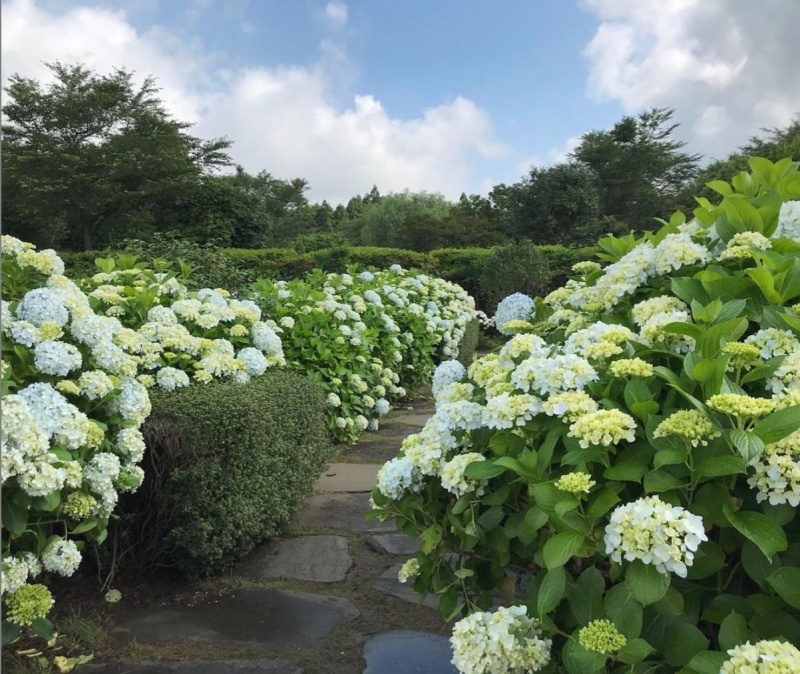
448 96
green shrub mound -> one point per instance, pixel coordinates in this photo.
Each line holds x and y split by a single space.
469 342
226 468
625 470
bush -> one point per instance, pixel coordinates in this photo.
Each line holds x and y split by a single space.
227 466
635 466
516 268
307 243
469 342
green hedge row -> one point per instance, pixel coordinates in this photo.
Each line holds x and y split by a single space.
226 468
464 266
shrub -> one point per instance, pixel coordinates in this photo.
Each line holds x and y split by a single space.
635 465
307 243
469 342
71 414
366 337
227 466
518 267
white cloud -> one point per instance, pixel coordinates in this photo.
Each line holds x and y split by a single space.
281 119
727 66
336 14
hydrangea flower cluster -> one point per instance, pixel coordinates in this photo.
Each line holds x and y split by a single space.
368 337
516 307
188 336
655 533
763 657
506 641
71 413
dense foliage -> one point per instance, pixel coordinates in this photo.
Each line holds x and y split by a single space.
367 338
625 470
92 160
226 467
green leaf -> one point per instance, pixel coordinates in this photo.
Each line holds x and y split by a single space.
747 443
562 547
719 466
551 591
483 470
786 582
587 596
669 457
634 652
671 604
577 660
778 425
626 471
645 583
43 628
723 188
732 631
657 481
624 613
766 534
431 537
11 632
682 642
708 662
602 502
506 442
15 517
490 519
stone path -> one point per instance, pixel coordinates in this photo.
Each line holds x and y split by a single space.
325 599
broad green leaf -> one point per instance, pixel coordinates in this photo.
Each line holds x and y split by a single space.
778 425
747 443
634 652
682 641
733 631
719 466
627 471
768 536
431 537
562 547
646 584
552 590
625 613
602 502
587 596
657 481
708 662
786 582
483 470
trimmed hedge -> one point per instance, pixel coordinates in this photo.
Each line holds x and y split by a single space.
469 343
226 468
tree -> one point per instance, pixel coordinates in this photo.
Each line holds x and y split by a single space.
776 144
403 220
551 205
640 167
91 159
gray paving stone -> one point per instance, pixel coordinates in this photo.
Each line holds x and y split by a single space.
271 618
340 511
374 451
348 477
388 584
194 667
406 652
417 419
394 544
319 559
395 430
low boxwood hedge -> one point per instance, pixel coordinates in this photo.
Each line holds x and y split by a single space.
226 468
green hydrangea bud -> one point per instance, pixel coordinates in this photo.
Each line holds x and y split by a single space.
28 603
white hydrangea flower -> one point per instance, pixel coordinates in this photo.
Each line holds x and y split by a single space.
56 358
788 221
763 657
656 533
514 307
453 478
42 305
254 362
505 641
446 373
61 557
95 384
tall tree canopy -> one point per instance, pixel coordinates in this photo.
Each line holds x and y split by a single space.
90 158
641 168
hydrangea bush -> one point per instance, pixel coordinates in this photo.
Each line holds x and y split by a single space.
177 335
625 471
70 429
366 337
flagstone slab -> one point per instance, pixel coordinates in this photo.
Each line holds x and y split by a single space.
396 431
394 544
348 477
340 511
373 451
417 419
388 584
194 667
319 559
407 652
270 618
